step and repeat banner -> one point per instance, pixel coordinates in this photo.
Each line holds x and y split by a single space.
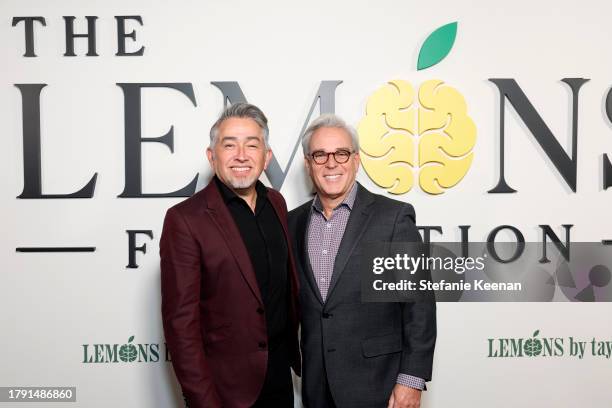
493 119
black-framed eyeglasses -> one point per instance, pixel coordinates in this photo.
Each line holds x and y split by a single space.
340 156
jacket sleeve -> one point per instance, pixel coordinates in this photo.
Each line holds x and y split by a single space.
419 318
180 291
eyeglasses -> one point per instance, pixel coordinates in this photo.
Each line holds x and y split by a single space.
340 156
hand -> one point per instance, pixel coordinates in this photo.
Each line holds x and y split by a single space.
404 397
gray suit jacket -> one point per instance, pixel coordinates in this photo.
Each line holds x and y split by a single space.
359 347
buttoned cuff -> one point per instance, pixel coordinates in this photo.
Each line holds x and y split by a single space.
411 381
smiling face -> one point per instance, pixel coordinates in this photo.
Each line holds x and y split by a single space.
239 154
332 180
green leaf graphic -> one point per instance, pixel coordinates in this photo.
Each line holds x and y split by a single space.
437 46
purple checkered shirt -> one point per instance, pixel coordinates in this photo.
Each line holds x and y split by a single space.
324 237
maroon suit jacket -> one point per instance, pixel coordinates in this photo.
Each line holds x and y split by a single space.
211 304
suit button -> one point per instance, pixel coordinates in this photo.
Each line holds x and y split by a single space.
327 315
331 350
260 310
262 344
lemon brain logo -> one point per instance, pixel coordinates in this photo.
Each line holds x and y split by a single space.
422 134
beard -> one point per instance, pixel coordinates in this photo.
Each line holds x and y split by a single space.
240 183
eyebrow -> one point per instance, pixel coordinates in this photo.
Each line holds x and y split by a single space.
337 150
234 138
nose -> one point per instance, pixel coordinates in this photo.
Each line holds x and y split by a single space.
241 153
331 162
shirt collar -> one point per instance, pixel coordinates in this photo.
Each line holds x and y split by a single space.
349 200
228 195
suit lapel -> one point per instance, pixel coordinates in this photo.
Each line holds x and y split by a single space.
229 231
302 249
357 224
281 212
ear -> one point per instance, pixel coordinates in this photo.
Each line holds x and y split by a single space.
357 159
210 155
268 158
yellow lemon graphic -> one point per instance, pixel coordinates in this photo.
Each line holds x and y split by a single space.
405 136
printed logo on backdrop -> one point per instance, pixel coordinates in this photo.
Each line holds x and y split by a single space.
542 346
129 352
425 134
411 134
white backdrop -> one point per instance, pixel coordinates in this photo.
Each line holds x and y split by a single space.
279 52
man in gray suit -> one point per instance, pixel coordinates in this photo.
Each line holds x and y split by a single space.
355 354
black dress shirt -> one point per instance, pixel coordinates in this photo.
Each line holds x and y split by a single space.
262 234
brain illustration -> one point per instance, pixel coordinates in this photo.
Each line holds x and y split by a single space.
403 138
533 346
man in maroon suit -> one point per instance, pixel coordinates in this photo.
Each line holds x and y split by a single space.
229 286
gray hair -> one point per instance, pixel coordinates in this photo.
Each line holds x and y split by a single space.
240 110
328 120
